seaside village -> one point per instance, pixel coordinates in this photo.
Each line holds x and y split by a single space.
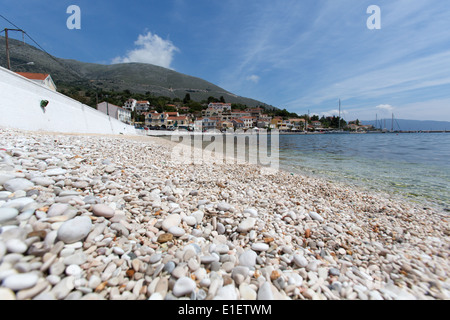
217 116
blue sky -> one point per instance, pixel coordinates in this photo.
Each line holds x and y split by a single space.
296 54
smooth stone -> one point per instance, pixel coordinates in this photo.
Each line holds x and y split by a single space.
57 209
63 288
226 293
316 216
248 259
173 220
223 206
294 278
177 231
246 225
16 246
2 250
73 270
247 293
220 228
156 297
110 169
312 266
7 214
43 181
198 215
265 292
14 185
55 172
81 184
300 261
21 281
18 204
118 251
252 212
335 272
19 194
102 210
190 221
209 259
75 230
68 193
166 237
169 267
240 270
4 195
7 294
260 247
77 258
222 248
155 258
184 286
6 177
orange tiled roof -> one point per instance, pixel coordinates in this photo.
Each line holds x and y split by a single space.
34 76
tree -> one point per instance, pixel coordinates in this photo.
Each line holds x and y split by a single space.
222 99
187 98
212 100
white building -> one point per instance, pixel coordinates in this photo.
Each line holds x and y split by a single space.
115 112
142 106
130 104
220 107
42 78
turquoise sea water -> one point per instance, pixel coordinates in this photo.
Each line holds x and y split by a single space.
413 166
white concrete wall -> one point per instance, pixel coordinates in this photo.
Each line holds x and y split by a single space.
20 108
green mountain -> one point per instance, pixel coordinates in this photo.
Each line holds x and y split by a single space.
138 78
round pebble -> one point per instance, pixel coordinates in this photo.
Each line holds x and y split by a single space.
102 210
21 281
248 259
7 214
14 185
184 286
75 230
16 246
171 221
177 231
260 247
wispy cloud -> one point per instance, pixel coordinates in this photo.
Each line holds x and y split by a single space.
253 78
385 107
150 48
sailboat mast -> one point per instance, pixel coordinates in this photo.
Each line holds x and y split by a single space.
392 125
339 119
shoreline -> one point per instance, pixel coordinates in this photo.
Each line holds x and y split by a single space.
236 231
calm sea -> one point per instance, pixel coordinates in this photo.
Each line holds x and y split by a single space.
413 166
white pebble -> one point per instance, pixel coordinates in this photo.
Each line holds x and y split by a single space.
184 286
176 231
16 246
21 281
7 214
73 270
260 247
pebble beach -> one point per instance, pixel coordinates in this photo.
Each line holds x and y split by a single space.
86 217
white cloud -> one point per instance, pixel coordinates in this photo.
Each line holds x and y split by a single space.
253 78
150 48
332 113
385 107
